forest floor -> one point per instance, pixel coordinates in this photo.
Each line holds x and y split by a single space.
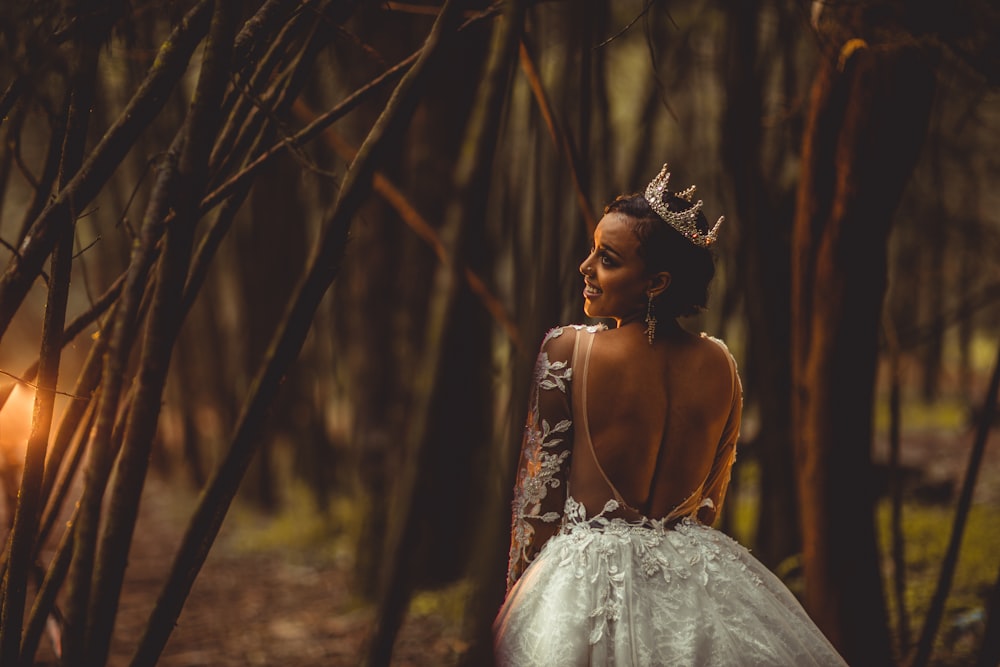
280 606
274 591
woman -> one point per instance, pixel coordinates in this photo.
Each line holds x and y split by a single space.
626 458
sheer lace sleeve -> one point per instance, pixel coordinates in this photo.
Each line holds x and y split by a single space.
717 484
543 470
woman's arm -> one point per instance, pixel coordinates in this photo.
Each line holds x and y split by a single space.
543 469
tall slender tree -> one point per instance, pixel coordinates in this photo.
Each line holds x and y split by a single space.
868 115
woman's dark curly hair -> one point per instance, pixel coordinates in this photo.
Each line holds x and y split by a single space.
663 248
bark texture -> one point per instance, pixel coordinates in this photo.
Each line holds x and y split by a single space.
868 115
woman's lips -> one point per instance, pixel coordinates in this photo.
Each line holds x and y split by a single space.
590 291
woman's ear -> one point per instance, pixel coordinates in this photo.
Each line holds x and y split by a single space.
658 283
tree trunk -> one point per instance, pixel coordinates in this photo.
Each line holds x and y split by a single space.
101 451
161 333
433 381
273 240
935 250
324 264
26 520
867 120
989 651
764 231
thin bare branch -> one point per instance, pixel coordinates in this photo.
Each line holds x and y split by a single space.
28 383
628 26
286 343
72 330
24 532
101 452
166 71
896 487
471 178
10 96
163 327
421 227
315 128
935 612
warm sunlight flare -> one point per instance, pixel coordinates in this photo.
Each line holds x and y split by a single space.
15 426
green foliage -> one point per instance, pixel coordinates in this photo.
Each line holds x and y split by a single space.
950 414
298 528
449 602
744 501
926 530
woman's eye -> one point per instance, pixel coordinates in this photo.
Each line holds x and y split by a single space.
605 259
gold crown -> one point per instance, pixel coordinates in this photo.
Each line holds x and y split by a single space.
685 222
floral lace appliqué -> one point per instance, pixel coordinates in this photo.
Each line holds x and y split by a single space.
544 452
592 548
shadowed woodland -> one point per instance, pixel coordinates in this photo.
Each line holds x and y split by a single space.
274 274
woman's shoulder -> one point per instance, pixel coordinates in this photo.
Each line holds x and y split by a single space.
565 335
556 332
559 341
711 342
725 360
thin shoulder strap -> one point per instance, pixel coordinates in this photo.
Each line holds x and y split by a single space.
583 388
586 422
734 376
576 348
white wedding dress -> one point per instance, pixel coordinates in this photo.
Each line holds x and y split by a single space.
616 588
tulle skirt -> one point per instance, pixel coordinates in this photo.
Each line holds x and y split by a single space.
622 594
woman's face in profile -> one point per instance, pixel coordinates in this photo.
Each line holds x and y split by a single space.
614 277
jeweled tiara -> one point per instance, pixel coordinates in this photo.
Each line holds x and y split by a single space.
685 222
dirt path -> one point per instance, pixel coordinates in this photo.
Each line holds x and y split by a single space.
255 608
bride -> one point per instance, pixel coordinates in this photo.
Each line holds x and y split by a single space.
626 458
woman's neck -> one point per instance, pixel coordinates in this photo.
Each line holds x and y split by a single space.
637 318
666 326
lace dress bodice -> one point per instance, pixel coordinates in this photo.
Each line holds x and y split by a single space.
542 501
603 583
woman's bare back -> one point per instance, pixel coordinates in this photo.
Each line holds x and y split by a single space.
656 416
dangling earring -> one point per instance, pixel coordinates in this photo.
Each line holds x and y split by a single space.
650 320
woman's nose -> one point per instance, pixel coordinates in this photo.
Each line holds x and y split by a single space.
585 265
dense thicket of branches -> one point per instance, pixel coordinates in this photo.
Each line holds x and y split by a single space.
315 242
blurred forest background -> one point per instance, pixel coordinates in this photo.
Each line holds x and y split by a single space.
279 270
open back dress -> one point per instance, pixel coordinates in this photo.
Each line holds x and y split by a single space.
604 584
